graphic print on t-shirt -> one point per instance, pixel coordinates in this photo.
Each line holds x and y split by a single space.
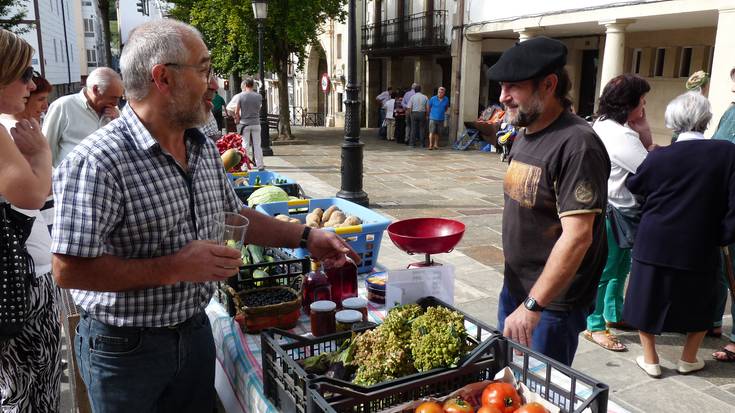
521 183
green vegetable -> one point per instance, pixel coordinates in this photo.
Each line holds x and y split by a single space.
266 195
256 253
257 181
259 274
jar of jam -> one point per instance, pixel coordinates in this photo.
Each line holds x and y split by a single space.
316 286
322 317
343 281
357 304
346 318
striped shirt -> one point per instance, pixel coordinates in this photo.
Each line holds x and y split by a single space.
119 193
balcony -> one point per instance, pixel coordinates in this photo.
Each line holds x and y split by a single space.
421 33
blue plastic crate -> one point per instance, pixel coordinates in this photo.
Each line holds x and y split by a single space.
364 239
266 178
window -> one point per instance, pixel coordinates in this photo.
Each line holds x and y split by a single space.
87 3
88 26
339 46
91 58
636 64
660 58
685 64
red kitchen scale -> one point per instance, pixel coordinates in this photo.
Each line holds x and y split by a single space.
426 236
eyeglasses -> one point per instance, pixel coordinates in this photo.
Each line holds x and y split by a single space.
27 75
200 69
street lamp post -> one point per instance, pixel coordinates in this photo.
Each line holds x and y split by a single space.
351 187
260 10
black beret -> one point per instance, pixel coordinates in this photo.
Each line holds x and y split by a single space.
529 59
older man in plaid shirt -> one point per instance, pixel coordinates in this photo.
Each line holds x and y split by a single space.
135 208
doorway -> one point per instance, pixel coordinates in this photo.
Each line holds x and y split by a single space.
588 82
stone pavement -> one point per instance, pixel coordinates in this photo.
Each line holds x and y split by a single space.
467 186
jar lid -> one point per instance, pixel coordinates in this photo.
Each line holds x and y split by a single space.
323 306
348 316
354 302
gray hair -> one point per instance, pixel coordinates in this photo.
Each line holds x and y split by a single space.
152 43
249 82
102 77
689 112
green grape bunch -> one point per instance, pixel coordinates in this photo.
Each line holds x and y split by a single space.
438 339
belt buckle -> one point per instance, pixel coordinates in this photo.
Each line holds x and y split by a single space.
174 326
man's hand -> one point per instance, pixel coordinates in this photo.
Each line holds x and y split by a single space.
519 325
28 137
330 248
206 261
111 113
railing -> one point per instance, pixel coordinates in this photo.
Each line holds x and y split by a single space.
419 30
300 117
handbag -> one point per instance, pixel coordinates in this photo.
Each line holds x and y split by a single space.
624 224
17 272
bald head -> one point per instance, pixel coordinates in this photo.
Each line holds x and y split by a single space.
103 78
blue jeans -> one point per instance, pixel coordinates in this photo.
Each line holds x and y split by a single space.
557 333
141 370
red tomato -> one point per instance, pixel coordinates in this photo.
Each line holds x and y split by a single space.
532 407
457 405
429 407
488 409
502 396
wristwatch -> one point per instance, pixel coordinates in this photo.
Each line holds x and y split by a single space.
304 237
532 305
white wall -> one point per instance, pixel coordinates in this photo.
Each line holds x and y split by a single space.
128 17
489 10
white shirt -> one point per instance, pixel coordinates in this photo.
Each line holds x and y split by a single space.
383 96
690 136
389 105
68 121
418 102
232 105
626 153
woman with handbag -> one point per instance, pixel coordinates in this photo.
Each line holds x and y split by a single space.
623 128
30 368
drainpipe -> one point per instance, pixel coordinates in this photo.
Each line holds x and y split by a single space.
457 29
66 43
39 38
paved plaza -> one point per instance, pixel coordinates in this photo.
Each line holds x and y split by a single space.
467 186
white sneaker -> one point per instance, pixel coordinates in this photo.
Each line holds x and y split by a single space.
684 367
653 370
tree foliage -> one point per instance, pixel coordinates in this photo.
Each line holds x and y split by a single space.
13 22
231 33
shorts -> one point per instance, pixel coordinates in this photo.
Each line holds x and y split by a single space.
435 126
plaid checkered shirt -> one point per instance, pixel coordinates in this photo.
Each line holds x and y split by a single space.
120 193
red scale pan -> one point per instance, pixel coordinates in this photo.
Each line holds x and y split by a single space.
426 236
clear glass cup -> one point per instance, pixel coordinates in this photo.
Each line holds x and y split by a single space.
230 229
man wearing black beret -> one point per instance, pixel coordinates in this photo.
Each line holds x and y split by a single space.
555 193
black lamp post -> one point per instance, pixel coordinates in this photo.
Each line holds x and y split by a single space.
260 10
351 187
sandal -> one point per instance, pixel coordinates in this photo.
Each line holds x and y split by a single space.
727 356
610 342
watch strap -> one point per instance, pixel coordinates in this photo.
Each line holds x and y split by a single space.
304 237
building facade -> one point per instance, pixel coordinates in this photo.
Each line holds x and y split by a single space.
90 36
664 41
53 35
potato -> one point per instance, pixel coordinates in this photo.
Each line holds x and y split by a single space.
313 220
337 218
294 220
352 220
328 213
319 212
282 217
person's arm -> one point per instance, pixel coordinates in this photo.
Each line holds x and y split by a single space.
25 165
54 124
644 131
237 113
560 268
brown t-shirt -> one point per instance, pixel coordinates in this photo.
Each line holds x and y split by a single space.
559 171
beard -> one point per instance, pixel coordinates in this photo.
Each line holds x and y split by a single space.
527 115
187 110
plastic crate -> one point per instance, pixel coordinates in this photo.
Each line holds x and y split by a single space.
364 239
285 382
564 387
284 271
266 178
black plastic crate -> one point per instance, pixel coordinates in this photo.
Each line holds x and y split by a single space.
292 189
285 270
285 381
550 379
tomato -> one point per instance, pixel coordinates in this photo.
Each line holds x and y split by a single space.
429 407
532 407
457 405
501 395
488 409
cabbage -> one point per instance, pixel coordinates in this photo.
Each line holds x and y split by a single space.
267 194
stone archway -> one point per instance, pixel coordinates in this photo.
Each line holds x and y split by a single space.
316 65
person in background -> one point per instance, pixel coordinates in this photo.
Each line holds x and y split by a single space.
247 117
30 362
218 104
404 102
140 250
687 214
621 116
380 100
390 120
725 131
417 104
437 109
555 194
697 82
72 118
210 128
